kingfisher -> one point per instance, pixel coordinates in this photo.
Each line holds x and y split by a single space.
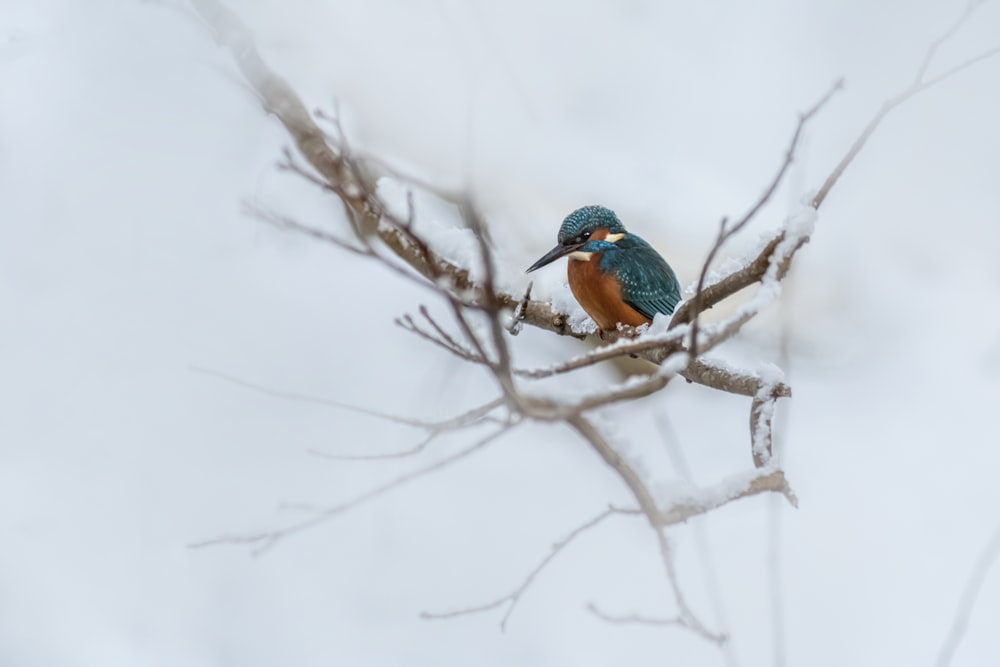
615 275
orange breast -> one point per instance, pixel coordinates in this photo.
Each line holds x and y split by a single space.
600 296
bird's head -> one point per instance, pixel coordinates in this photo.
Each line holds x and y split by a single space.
586 230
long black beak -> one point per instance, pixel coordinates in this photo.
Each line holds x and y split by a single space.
554 254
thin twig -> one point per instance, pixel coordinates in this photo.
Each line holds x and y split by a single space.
685 614
492 306
918 85
264 541
649 508
443 340
316 234
412 451
960 621
726 232
512 598
634 619
705 556
440 330
475 414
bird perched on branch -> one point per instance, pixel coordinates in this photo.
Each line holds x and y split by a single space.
615 275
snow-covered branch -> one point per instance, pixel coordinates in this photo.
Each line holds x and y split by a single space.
486 316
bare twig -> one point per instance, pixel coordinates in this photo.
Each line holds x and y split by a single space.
264 541
491 304
637 619
473 415
687 617
634 619
754 269
412 451
918 85
726 231
963 612
285 222
676 453
438 328
365 248
511 599
653 515
441 338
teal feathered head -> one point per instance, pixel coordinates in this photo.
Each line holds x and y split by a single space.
583 222
576 230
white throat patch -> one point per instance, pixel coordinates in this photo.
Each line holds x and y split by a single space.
581 256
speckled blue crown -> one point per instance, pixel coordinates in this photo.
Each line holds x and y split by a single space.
588 219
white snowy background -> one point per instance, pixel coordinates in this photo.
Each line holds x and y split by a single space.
128 149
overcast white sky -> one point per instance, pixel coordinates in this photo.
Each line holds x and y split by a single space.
128 148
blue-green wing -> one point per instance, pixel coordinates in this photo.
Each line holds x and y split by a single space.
648 283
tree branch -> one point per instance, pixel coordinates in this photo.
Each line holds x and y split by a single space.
389 237
763 481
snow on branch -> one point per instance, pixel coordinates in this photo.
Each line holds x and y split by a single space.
484 317
727 231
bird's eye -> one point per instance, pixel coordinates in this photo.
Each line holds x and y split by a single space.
584 236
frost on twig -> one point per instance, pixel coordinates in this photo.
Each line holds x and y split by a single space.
762 416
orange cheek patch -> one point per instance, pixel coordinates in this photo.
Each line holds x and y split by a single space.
600 234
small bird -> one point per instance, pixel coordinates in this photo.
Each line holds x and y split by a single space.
615 275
